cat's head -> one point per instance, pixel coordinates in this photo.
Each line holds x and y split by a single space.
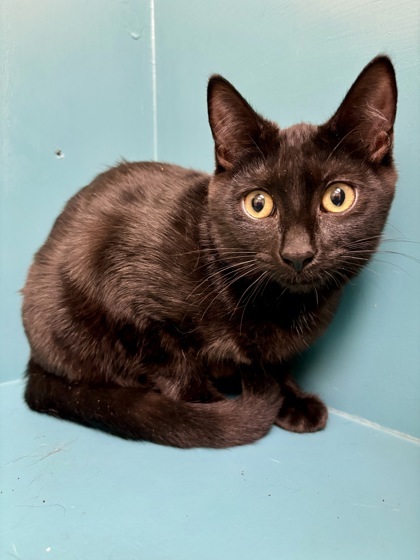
305 205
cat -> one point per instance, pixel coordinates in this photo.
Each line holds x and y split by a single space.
157 282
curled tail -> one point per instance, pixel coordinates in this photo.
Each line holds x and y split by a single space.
145 415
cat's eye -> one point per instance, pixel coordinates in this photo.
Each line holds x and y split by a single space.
258 204
338 197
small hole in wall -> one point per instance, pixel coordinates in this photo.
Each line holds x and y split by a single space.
59 154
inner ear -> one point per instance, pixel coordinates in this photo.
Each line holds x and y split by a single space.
366 117
238 131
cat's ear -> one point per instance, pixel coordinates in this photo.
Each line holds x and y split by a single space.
238 131
365 119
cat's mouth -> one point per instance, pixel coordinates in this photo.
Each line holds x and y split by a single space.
301 282
313 280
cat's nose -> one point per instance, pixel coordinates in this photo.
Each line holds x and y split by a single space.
298 260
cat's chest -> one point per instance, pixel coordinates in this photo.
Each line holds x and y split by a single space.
259 339
257 342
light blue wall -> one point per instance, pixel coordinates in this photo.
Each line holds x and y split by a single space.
77 76
295 61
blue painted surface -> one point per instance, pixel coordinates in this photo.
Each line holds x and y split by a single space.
70 493
87 90
295 61
77 76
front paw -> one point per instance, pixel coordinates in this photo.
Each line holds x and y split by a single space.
302 414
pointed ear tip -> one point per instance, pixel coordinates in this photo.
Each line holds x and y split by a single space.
216 79
385 62
382 57
218 86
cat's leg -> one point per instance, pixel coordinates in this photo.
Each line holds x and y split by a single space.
300 412
189 382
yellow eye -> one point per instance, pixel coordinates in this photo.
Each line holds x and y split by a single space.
338 197
258 204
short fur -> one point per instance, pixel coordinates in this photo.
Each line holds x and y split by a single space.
155 284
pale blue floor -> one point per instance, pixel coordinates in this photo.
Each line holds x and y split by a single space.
70 493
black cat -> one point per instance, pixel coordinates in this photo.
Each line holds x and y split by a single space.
157 282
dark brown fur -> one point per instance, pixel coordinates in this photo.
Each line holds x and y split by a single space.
154 284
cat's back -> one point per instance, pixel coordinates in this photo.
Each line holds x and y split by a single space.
127 222
139 198
144 190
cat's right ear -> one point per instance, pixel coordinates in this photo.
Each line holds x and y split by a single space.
238 131
365 119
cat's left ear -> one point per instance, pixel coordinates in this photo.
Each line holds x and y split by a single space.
239 132
365 119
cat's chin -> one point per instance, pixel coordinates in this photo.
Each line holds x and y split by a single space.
301 288
310 285
301 285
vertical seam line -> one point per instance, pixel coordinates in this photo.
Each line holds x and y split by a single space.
154 81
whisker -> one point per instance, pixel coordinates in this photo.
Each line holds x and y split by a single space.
401 240
225 259
410 257
389 252
260 290
227 286
245 292
260 282
215 250
221 271
382 261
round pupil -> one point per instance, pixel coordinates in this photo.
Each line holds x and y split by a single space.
258 202
338 197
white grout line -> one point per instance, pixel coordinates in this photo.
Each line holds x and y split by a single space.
154 83
373 425
5 96
12 382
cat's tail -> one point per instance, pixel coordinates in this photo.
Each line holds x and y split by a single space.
146 415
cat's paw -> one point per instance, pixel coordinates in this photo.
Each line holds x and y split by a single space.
302 414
